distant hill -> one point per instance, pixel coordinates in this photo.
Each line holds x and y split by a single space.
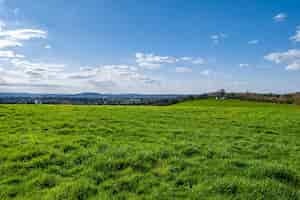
139 99
91 98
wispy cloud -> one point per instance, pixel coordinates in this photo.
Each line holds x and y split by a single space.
186 58
37 66
5 43
10 54
2 25
216 38
290 58
152 61
198 61
14 38
101 78
243 65
206 72
296 37
23 34
183 69
280 17
48 46
253 42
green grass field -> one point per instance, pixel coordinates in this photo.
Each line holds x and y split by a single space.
193 150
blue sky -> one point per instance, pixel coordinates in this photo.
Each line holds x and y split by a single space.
137 46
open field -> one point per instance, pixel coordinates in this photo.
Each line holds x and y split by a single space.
193 150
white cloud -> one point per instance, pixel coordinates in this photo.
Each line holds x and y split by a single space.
216 38
294 66
37 70
118 73
290 58
10 54
141 57
280 57
152 61
183 69
148 65
83 73
37 66
280 17
23 74
2 25
296 37
13 38
186 58
113 77
244 65
253 42
5 43
106 78
199 61
23 34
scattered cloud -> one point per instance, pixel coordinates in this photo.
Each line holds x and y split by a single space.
296 37
242 65
2 25
149 65
14 38
23 34
152 61
5 43
183 69
294 66
186 58
102 84
290 58
35 72
37 66
280 17
26 73
253 42
10 54
198 61
280 57
216 38
83 73
22 73
22 70
118 73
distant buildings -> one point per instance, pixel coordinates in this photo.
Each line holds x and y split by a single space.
221 94
37 101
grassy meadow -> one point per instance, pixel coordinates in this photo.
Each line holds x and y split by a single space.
202 149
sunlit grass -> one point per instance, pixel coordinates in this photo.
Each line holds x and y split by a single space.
202 149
